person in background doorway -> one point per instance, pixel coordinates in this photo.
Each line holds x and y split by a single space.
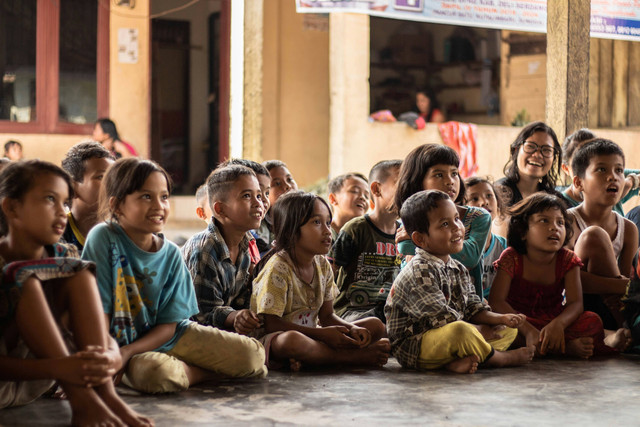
13 150
105 132
427 106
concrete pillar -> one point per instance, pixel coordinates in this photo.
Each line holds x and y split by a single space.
567 65
348 82
253 71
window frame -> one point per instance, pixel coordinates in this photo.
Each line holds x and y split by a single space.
48 73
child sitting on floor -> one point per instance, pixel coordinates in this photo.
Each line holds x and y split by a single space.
571 195
536 273
604 240
349 198
86 162
203 211
435 167
432 309
294 292
481 193
219 258
44 288
364 255
147 293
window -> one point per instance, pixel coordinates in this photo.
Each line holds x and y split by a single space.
54 59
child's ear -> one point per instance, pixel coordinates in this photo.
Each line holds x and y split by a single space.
375 189
200 213
419 239
577 183
332 199
112 205
218 209
566 170
9 207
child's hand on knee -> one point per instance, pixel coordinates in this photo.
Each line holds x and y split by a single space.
88 368
552 338
513 320
337 337
245 322
361 335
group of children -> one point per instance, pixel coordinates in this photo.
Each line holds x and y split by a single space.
410 261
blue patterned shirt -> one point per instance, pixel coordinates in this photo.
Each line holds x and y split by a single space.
221 286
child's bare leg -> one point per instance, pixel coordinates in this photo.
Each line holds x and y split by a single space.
620 339
519 356
375 327
466 365
595 249
580 347
294 345
80 293
39 331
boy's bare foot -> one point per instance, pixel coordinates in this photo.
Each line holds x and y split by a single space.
295 365
109 396
620 339
580 347
517 357
88 409
377 354
466 365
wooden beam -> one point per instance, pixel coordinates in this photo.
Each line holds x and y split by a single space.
620 83
567 65
605 94
594 82
634 84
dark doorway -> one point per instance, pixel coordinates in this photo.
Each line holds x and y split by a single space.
219 63
170 99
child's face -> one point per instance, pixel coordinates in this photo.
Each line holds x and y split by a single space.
242 209
481 195
87 191
265 189
603 180
446 232
14 152
387 191
315 234
444 178
535 165
41 216
353 198
146 210
546 232
281 182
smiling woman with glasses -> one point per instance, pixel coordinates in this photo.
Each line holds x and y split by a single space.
534 164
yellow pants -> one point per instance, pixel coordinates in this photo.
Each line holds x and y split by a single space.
222 352
457 340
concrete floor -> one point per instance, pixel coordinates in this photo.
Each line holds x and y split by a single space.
547 392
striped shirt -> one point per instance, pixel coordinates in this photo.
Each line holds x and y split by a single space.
427 294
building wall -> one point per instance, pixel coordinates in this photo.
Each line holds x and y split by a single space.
295 92
129 100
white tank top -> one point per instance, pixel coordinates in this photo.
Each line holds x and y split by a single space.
617 241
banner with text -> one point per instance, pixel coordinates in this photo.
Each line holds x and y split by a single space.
610 19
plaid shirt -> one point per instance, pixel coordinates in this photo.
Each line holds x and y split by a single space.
427 294
221 287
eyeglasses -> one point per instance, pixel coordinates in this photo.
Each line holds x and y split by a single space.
530 147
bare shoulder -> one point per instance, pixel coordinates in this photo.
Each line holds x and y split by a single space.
630 231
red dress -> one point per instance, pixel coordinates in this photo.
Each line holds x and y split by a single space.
543 303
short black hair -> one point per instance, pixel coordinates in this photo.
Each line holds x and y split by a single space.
382 170
17 178
272 164
256 167
10 143
415 210
222 179
336 184
74 161
525 209
596 147
109 127
573 142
